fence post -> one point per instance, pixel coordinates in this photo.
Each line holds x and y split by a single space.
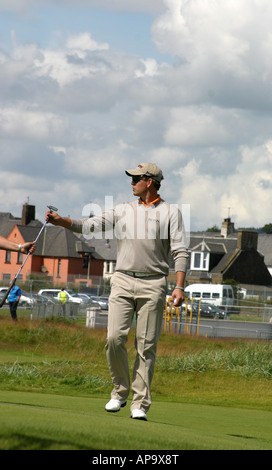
90 317
198 317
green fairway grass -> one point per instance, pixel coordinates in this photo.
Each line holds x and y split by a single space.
36 422
207 394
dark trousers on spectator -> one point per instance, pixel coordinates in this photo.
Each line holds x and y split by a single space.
13 308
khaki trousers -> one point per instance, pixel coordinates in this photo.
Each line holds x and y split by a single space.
146 298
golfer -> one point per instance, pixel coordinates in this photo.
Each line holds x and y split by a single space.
146 230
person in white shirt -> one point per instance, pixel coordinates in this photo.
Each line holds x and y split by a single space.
146 230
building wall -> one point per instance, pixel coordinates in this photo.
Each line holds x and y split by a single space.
63 270
56 268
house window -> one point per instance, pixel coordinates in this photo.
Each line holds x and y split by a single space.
108 267
59 266
7 257
20 258
197 260
200 260
6 277
205 261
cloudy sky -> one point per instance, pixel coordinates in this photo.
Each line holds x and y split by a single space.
89 88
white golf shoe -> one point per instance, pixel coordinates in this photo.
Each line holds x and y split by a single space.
114 405
138 414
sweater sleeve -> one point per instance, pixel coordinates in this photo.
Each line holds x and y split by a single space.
89 227
178 241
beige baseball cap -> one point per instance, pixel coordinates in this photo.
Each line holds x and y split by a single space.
148 169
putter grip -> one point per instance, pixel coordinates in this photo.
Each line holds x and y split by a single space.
7 293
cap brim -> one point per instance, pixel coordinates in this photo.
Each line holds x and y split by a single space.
136 172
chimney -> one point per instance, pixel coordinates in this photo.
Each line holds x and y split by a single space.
227 227
247 240
28 214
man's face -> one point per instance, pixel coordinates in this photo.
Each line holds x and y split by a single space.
140 185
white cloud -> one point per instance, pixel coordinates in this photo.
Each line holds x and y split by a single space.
84 42
91 112
191 126
223 48
247 191
23 123
73 63
150 68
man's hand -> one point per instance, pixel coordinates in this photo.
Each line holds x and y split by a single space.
52 217
177 297
27 247
55 219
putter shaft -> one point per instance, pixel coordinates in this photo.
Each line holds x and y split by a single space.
51 208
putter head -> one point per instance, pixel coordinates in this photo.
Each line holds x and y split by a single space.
52 208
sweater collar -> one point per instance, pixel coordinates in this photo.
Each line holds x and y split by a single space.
152 203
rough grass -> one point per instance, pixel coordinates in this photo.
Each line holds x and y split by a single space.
53 357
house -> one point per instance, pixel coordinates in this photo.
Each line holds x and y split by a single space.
58 256
105 250
217 257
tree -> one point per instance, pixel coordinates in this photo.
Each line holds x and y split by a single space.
214 228
267 228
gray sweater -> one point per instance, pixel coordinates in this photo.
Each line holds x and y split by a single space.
144 235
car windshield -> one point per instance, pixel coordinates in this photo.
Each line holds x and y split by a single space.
71 293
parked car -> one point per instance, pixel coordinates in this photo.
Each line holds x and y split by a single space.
3 290
2 295
206 310
26 299
102 300
43 299
87 298
72 296
211 311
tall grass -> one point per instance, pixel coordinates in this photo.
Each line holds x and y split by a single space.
51 357
252 360
56 374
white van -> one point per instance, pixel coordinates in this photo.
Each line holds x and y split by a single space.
217 294
71 295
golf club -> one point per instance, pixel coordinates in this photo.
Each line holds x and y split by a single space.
51 208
